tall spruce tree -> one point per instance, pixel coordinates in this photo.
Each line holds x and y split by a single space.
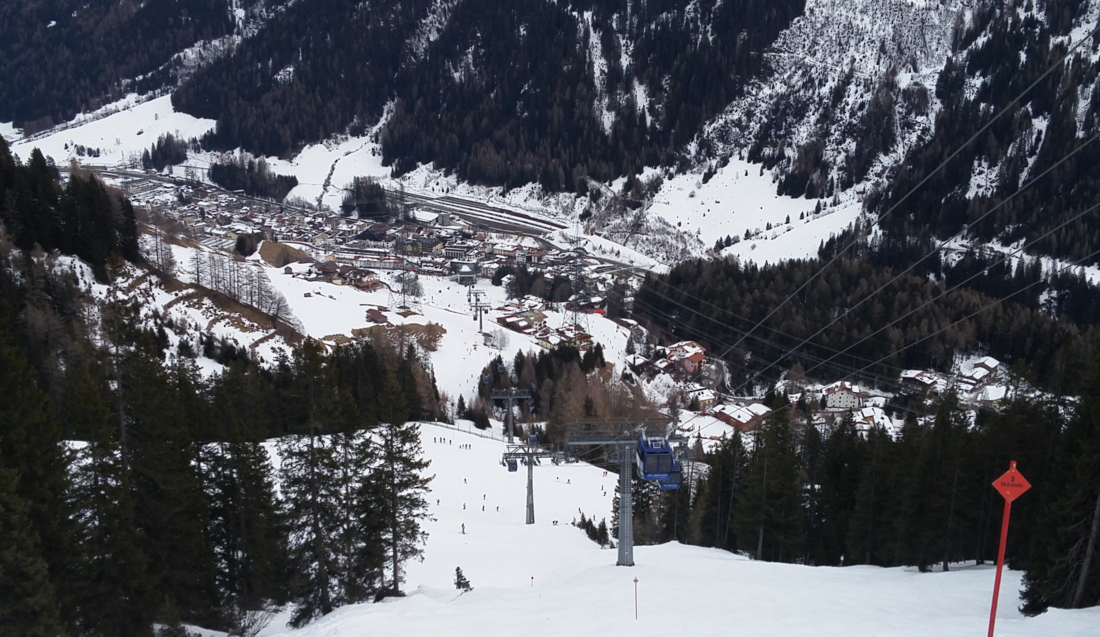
838 482
1065 569
169 503
933 505
245 529
718 494
400 481
28 605
113 593
308 461
310 493
31 447
770 520
359 540
868 528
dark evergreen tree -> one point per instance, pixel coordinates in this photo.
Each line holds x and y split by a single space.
311 494
359 538
461 583
869 529
31 448
718 497
169 504
245 530
308 462
113 591
28 605
1065 569
838 482
400 481
770 523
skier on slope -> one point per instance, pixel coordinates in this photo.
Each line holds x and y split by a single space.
464 528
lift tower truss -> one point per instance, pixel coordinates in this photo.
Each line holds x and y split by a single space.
510 397
530 454
619 439
479 306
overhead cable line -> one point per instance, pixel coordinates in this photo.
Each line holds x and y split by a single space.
942 244
1008 256
987 306
926 178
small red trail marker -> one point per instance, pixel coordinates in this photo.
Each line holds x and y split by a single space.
1011 485
635 598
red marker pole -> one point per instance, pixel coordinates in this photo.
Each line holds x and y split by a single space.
1000 565
635 598
1011 485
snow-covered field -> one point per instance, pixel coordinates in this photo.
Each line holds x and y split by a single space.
739 198
338 310
551 580
120 131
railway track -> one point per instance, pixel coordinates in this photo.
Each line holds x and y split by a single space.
492 216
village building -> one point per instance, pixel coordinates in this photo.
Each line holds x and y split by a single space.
842 395
746 418
467 276
687 355
701 396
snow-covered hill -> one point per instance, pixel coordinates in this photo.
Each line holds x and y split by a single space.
547 579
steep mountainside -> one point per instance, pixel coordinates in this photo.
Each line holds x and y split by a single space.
860 98
542 91
59 57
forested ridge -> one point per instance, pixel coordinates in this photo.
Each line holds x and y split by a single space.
717 301
61 57
134 491
501 97
82 217
1003 54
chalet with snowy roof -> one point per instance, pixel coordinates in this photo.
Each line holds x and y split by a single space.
325 269
687 355
579 340
526 322
636 330
467 275
700 395
637 363
978 376
918 379
988 362
368 284
869 417
843 395
745 418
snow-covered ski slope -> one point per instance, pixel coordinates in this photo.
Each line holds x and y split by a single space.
578 590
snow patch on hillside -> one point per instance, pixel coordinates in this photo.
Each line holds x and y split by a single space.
120 131
430 27
9 132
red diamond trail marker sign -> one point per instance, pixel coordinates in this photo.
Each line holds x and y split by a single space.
1011 485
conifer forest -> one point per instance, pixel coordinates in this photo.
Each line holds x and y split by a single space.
288 288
